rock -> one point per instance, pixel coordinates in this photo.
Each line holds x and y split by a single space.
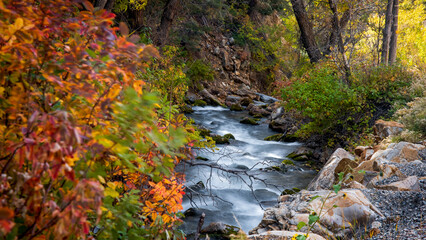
338 213
283 124
266 99
236 107
196 187
246 101
301 154
232 99
401 152
219 229
191 97
383 129
339 161
209 98
283 235
226 62
409 184
257 110
229 136
275 137
201 158
222 139
186 109
200 103
359 150
248 120
279 112
355 185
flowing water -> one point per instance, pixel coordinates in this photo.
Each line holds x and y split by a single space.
237 200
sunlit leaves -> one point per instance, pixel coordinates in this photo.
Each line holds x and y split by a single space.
76 149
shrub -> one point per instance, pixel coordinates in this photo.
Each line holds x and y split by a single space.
414 117
199 71
323 98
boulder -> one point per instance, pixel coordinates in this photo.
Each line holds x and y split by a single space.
219 229
279 112
232 99
191 97
383 129
275 137
284 124
209 98
339 161
236 107
250 121
408 184
338 213
401 152
256 110
246 101
266 99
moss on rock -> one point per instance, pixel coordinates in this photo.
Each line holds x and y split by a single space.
275 137
250 121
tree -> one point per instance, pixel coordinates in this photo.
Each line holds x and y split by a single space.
306 33
83 145
170 12
389 45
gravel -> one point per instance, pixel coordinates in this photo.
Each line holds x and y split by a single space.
404 213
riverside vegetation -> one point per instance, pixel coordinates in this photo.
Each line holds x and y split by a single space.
92 92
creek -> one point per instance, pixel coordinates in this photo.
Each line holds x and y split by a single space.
237 200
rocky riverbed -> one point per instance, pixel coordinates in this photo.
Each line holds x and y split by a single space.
383 197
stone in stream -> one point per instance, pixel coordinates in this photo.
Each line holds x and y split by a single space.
275 137
283 235
221 230
250 121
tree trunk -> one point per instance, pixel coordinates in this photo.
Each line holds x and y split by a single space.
169 14
394 36
110 5
339 39
100 4
136 18
307 34
387 32
332 40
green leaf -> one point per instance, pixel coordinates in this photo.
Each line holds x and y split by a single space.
341 174
336 188
301 237
313 219
313 198
300 225
91 53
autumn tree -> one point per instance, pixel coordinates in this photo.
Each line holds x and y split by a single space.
85 151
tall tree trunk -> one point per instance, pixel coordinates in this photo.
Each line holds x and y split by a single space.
110 5
136 18
169 14
100 4
307 34
387 32
338 33
332 40
394 30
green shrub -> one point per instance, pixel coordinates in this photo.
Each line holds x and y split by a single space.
414 117
199 71
322 97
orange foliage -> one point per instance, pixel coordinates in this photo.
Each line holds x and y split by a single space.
63 70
